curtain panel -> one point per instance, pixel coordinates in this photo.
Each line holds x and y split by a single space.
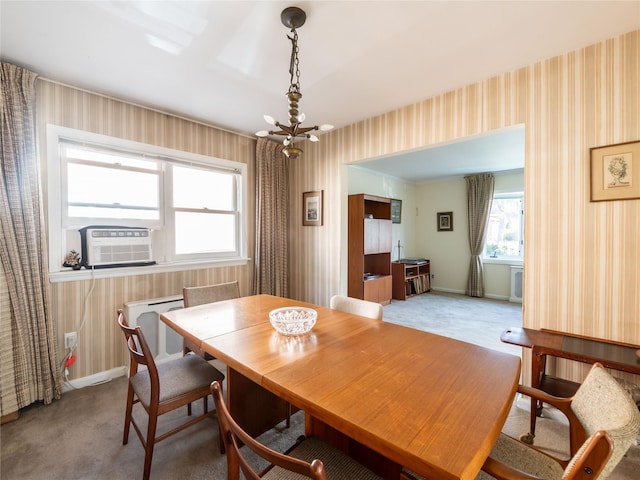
30 370
272 207
479 197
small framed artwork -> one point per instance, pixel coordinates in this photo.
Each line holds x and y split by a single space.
312 208
615 171
445 221
396 210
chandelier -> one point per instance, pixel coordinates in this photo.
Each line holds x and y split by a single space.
293 18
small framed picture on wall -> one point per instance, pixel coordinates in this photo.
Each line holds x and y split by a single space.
445 221
312 208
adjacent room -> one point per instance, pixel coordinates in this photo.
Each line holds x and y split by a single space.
363 232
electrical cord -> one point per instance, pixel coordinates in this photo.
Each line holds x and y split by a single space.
70 358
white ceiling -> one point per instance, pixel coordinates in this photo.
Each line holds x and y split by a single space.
226 62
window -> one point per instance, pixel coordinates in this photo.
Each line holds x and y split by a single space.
505 238
193 204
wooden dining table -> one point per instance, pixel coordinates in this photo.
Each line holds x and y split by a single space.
389 395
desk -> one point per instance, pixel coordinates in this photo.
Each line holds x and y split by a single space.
419 400
612 355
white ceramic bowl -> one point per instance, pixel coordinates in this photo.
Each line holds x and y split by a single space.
293 320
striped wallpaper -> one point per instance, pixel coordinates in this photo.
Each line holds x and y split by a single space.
582 262
582 270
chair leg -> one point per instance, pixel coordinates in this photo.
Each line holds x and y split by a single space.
148 448
127 415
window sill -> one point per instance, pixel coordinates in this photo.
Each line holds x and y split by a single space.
502 261
69 275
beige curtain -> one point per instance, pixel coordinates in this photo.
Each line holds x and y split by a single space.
272 207
30 370
479 198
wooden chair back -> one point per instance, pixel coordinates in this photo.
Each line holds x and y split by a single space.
139 351
234 436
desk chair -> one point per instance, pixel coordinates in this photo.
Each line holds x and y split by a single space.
162 388
601 413
357 306
208 294
303 459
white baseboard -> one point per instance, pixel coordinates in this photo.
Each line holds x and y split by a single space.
448 290
462 292
496 297
94 379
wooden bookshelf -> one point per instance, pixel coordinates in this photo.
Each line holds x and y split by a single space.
369 276
410 279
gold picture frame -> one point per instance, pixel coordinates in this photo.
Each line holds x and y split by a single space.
615 171
312 208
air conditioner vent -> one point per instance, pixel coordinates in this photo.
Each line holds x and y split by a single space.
104 247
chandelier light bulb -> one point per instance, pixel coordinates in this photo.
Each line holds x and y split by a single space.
313 138
262 133
325 127
270 120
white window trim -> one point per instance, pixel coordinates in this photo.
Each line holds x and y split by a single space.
57 241
515 261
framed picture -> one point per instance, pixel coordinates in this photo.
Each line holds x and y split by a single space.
312 208
396 210
615 171
445 221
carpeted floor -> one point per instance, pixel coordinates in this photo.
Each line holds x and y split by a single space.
475 320
80 436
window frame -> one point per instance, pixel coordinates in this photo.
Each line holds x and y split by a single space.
505 259
63 231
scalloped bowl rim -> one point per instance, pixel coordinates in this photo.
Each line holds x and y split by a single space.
307 323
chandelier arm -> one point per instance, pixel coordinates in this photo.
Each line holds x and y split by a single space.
302 131
280 132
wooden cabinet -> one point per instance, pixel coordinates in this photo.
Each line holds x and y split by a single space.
369 250
411 279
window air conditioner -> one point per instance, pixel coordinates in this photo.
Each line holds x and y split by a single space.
104 246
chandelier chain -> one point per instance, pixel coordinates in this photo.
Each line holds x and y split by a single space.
294 66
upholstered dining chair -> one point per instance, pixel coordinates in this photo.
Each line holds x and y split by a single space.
161 388
310 457
357 306
207 294
601 413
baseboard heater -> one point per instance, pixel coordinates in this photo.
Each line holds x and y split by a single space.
516 284
109 247
164 342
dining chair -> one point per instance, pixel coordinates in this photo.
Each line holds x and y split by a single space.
193 296
601 414
357 306
161 388
309 457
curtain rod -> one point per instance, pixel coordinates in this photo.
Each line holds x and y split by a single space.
162 112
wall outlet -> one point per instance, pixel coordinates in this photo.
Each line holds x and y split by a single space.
433 275
70 339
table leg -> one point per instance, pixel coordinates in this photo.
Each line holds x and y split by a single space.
255 409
